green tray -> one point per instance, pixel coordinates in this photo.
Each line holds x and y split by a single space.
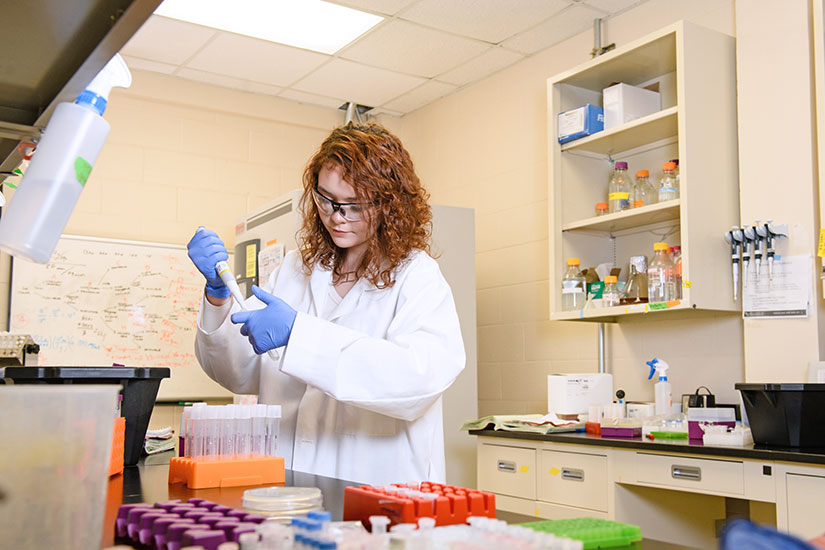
593 532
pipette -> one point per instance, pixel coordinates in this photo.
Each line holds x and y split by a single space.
761 233
749 233
229 280
734 240
773 232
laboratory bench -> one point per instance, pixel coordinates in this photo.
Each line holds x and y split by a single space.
148 482
675 490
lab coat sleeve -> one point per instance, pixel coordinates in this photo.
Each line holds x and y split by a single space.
401 375
224 354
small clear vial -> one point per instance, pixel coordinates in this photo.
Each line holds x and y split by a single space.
610 296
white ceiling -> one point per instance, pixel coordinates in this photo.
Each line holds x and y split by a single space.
422 51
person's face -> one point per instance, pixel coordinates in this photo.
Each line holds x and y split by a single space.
346 234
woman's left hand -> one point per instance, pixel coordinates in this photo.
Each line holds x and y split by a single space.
267 328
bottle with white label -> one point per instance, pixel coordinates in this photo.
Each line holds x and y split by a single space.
573 293
668 185
619 189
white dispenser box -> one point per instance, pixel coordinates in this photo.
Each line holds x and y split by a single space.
574 393
623 103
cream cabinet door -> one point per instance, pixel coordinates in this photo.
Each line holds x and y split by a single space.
507 470
806 505
573 479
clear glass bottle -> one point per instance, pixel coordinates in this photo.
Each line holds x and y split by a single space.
661 277
573 293
676 255
644 192
668 185
676 172
636 290
619 189
610 296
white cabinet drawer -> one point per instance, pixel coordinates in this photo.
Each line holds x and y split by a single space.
507 470
692 474
573 479
806 500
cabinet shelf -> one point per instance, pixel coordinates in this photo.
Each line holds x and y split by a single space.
636 217
660 125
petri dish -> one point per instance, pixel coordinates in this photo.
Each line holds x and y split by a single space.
283 502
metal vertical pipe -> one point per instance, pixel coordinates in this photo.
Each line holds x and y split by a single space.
601 349
597 37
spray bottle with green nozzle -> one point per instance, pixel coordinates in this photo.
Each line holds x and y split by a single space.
664 393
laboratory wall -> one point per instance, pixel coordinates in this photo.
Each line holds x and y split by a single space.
485 147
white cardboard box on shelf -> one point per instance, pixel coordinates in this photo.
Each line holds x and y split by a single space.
623 103
574 393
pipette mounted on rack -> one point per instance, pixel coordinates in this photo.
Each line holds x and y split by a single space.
757 251
749 235
773 232
735 237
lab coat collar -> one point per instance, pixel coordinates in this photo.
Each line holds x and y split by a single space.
320 282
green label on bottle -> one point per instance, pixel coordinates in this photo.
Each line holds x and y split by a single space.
658 305
82 169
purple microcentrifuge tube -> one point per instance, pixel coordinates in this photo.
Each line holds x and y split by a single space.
123 517
210 540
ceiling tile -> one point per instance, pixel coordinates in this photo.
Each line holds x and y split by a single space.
227 81
488 20
345 79
612 6
147 65
256 60
413 49
562 26
487 63
168 40
424 94
386 7
312 99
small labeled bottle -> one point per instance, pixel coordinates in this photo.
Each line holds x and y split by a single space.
601 208
573 293
619 189
668 185
644 193
610 296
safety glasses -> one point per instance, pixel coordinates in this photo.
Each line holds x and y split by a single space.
350 211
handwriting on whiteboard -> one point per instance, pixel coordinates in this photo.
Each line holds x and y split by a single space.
99 303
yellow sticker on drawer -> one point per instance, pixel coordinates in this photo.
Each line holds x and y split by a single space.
524 469
821 251
554 471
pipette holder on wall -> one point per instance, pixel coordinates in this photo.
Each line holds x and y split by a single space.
452 506
236 472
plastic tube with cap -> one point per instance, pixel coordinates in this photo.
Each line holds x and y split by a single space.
198 432
379 524
273 429
184 419
244 431
227 432
212 441
258 432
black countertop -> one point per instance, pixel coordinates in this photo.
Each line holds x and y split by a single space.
148 482
754 452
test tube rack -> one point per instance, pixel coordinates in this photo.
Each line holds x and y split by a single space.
452 505
235 472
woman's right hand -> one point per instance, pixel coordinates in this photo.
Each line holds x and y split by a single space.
205 250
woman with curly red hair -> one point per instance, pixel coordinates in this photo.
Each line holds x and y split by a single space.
364 321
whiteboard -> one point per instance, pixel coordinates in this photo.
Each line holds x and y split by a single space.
103 301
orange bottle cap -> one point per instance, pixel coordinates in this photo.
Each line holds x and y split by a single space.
642 174
611 279
660 246
573 261
669 166
601 205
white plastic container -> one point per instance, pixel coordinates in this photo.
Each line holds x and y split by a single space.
623 103
47 194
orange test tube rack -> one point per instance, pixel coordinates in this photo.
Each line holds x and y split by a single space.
453 505
236 472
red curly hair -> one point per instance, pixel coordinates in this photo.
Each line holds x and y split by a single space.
380 169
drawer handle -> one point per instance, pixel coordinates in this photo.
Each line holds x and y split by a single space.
686 472
507 466
572 474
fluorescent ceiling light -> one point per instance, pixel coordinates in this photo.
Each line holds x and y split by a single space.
309 24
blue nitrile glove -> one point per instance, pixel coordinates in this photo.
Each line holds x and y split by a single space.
267 328
205 250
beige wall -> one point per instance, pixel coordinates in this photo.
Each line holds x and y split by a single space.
485 148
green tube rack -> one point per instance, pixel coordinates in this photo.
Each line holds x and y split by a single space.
593 532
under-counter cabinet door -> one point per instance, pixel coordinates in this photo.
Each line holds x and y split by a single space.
806 505
719 477
507 470
573 479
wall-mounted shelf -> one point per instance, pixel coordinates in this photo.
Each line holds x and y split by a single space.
655 127
628 219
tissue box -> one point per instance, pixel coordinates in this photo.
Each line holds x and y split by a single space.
578 123
623 103
573 393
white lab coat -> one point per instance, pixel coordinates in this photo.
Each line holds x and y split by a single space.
360 391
